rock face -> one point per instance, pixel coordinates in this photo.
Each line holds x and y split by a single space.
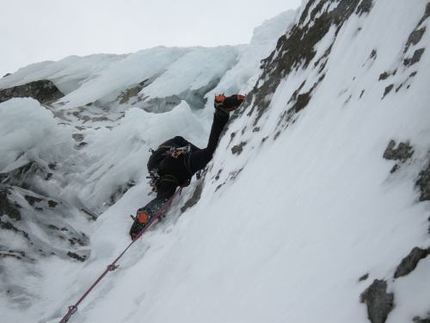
409 263
295 52
43 91
55 237
403 152
21 205
423 183
379 302
296 49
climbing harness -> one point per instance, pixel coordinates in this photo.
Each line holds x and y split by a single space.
162 152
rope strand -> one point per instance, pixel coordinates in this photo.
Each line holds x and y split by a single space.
111 267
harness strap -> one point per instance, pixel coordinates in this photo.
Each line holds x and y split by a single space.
175 152
170 179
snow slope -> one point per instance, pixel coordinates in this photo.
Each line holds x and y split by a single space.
299 212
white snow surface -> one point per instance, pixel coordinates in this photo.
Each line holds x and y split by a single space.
284 230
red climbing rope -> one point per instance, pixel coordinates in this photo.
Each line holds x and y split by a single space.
73 308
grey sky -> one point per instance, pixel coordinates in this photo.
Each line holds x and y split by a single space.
39 30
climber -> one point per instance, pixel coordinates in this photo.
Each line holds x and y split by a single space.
175 162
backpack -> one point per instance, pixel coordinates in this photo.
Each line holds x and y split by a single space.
172 147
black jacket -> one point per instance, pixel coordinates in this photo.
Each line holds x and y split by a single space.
178 171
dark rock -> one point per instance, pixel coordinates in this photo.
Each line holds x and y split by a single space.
52 204
415 37
379 302
416 57
91 215
8 207
53 227
82 144
410 262
302 101
32 199
296 49
428 230
364 7
418 319
74 255
133 92
388 90
81 240
194 198
423 184
9 226
231 176
43 91
363 278
426 14
384 76
78 137
403 152
394 169
126 95
13 254
237 149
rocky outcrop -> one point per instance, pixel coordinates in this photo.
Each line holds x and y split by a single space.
398 152
410 262
379 302
43 91
423 183
20 208
195 98
402 151
296 49
136 95
22 205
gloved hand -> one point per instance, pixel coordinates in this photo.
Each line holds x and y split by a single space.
230 103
